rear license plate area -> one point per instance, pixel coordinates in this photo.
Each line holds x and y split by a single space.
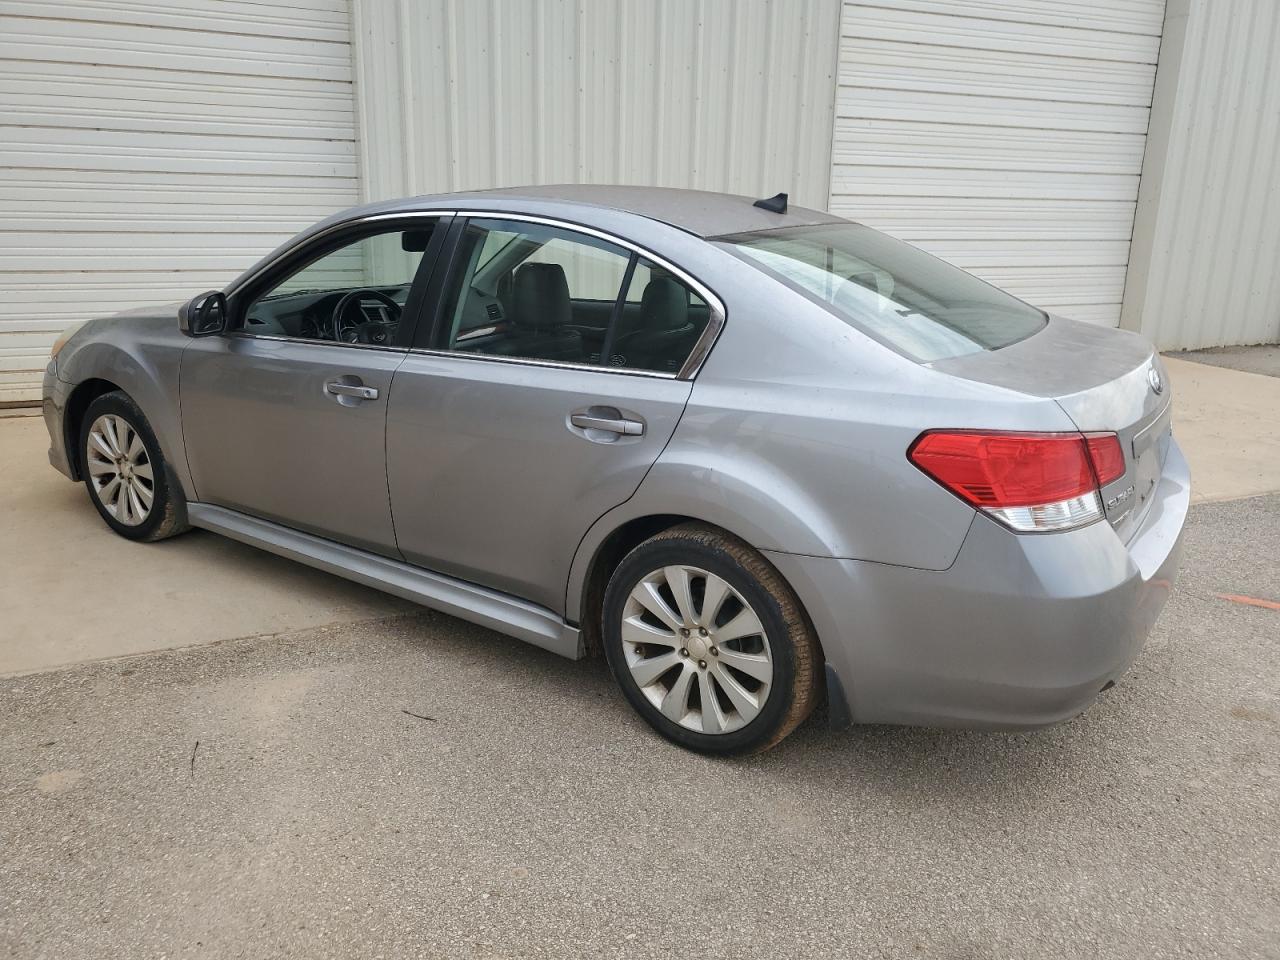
1150 447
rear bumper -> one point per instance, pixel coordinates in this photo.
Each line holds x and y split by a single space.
1021 631
55 394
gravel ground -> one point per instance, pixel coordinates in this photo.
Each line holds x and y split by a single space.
533 816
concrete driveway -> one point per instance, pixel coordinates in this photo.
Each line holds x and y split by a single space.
71 590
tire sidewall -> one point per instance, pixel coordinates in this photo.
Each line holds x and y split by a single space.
122 405
690 551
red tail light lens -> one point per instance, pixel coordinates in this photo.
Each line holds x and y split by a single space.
1107 457
1028 481
1006 469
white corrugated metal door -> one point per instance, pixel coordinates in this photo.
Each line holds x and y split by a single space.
732 96
1003 135
151 149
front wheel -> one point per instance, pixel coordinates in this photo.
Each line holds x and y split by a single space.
125 472
708 643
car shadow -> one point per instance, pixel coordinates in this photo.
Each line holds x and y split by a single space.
893 761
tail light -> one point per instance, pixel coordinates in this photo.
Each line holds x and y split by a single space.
1027 481
1106 456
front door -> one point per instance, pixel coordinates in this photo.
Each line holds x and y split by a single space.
510 435
284 416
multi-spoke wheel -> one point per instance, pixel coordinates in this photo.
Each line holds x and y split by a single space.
124 471
119 469
696 649
708 642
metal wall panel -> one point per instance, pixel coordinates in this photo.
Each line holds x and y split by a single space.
151 149
1206 258
1004 135
733 95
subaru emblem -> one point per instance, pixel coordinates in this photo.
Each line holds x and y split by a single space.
1153 378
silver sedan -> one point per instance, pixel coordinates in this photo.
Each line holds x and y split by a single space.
757 455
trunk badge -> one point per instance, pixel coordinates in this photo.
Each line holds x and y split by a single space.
1157 384
1120 498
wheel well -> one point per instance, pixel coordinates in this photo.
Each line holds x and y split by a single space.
608 555
84 394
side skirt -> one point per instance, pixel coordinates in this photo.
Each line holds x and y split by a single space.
488 608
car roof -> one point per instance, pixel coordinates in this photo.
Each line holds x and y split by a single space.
700 212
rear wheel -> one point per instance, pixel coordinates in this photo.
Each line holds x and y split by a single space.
709 643
124 471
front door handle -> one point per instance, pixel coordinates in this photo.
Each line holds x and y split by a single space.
336 388
619 425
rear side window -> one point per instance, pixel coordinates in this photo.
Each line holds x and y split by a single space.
902 296
660 321
539 292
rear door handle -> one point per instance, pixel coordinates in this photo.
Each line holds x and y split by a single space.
336 388
619 425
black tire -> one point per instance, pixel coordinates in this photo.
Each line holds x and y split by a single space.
167 514
792 643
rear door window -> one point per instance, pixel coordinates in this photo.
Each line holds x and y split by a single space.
539 292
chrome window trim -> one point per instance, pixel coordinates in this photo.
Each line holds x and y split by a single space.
555 364
458 355
693 363
244 335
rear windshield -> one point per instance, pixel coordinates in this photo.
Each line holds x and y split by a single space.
907 299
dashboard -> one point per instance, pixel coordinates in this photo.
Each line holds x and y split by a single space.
308 314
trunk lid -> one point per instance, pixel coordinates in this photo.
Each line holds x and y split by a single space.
1105 380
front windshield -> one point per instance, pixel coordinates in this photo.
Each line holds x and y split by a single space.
902 296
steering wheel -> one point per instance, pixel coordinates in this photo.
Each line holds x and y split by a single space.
351 333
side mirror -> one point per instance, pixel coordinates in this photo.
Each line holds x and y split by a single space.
204 315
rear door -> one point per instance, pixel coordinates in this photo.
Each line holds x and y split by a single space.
506 440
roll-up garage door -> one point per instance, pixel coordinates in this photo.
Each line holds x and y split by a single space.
151 149
1003 135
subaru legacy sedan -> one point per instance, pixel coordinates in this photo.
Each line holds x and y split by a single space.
759 456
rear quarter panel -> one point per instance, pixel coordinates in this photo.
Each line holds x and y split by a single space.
796 435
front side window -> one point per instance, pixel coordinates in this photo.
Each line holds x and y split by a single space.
538 292
916 303
355 293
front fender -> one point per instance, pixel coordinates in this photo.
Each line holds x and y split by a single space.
141 356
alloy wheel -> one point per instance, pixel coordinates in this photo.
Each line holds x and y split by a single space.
696 649
120 469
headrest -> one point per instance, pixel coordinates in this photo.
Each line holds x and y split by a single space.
664 305
540 296
865 293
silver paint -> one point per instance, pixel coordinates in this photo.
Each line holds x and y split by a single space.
467 484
